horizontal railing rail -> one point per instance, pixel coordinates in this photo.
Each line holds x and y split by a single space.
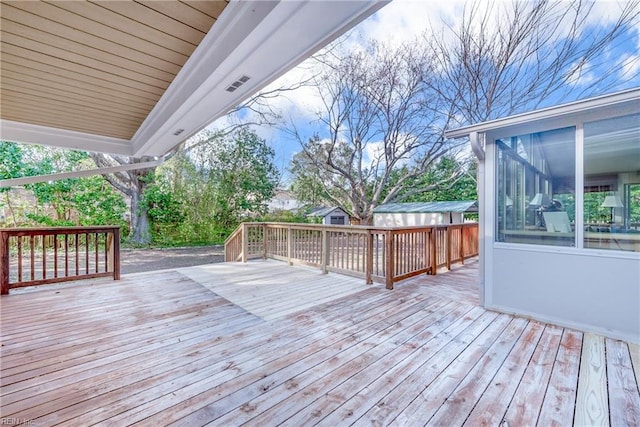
37 256
383 254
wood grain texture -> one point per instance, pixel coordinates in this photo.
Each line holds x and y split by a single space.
559 401
592 406
167 348
624 396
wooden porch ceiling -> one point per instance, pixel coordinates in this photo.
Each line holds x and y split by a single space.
137 78
159 348
95 67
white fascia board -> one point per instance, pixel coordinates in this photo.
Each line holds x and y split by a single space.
198 77
262 40
44 135
626 101
77 174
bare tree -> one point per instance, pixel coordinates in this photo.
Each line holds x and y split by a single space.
381 125
510 57
257 110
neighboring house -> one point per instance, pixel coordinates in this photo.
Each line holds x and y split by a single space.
283 200
422 213
542 254
330 216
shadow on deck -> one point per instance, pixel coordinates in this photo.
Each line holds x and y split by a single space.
267 344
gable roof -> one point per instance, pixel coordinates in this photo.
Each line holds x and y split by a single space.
138 78
325 211
428 207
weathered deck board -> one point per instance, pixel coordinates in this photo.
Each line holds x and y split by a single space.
268 344
559 401
592 406
624 396
494 401
280 292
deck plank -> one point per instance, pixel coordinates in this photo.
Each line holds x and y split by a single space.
624 396
494 401
527 401
592 406
438 380
228 344
248 367
559 401
304 388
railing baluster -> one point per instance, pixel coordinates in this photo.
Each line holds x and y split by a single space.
19 258
44 257
96 243
86 253
66 255
77 238
55 255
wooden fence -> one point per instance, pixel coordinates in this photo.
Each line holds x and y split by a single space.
36 256
383 254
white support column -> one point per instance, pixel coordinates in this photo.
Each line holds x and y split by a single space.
477 144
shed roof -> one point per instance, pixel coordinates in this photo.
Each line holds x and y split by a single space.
428 207
325 211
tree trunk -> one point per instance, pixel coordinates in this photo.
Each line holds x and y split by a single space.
140 231
367 220
13 215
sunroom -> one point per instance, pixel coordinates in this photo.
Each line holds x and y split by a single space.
560 213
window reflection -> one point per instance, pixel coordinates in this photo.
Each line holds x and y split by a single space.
612 183
535 188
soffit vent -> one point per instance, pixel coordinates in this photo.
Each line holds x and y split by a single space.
235 85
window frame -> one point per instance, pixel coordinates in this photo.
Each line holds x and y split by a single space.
492 136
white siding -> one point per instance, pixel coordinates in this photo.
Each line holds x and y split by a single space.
599 292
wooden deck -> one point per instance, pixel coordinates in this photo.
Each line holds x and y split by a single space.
198 346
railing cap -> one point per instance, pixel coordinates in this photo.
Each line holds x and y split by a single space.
38 230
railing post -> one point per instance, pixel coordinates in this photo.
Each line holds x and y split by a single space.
245 241
462 228
434 251
389 252
369 259
448 246
4 262
265 246
289 244
427 255
324 256
115 253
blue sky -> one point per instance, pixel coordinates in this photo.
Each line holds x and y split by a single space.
402 21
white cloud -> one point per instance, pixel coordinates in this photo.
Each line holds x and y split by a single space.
630 66
402 21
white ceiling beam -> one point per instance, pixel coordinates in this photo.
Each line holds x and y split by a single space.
258 32
43 135
77 174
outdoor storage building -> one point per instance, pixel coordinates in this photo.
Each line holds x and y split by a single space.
332 215
422 213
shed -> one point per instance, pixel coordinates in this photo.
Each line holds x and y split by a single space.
332 215
422 213
559 230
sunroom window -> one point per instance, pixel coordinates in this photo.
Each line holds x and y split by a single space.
535 201
612 184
